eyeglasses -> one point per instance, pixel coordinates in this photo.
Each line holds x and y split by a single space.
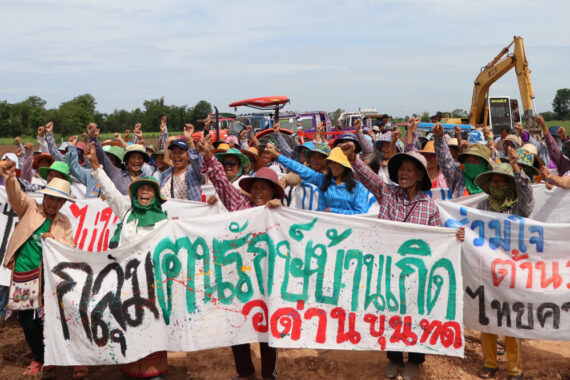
230 163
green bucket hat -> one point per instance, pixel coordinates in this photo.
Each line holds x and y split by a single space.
234 152
58 166
146 180
115 151
504 169
477 150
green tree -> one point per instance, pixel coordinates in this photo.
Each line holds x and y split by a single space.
561 104
75 114
425 117
200 111
459 113
548 115
335 115
154 110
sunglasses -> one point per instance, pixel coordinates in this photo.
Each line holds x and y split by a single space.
230 163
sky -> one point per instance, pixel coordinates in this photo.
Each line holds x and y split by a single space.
402 57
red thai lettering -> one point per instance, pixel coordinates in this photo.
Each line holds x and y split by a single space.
80 213
289 319
527 266
499 275
351 335
259 319
402 331
448 333
322 323
554 279
377 332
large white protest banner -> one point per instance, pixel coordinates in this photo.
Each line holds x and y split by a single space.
93 221
288 277
516 273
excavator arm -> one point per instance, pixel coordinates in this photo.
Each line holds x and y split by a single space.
495 69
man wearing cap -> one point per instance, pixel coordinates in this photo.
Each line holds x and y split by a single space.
183 180
24 252
460 177
135 158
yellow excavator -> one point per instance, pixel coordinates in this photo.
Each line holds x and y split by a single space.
501 112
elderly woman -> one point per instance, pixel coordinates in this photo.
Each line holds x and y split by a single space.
404 202
509 192
339 192
265 190
140 215
24 255
183 180
135 158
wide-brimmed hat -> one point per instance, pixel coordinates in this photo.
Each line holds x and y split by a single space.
221 147
321 149
477 150
235 140
255 161
453 142
58 166
80 145
338 156
429 148
115 151
531 148
348 137
308 145
146 180
135 148
504 169
396 161
265 174
151 148
516 140
157 153
385 139
58 188
41 156
233 152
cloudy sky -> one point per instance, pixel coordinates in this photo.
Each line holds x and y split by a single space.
401 57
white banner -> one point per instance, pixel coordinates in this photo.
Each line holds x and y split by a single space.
516 273
92 220
291 278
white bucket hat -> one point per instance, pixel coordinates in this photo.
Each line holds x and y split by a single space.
59 188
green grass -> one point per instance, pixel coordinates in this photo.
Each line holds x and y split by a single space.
150 137
563 123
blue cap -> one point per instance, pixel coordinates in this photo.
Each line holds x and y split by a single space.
554 131
181 143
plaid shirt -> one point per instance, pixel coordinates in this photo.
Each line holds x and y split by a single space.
230 196
393 200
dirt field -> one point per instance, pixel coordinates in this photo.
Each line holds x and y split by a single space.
542 360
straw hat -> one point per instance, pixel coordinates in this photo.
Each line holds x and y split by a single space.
453 142
338 156
429 148
58 166
517 142
146 180
477 150
396 161
58 188
233 152
503 169
255 161
265 174
135 148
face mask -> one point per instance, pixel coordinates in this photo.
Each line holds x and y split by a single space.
500 193
473 170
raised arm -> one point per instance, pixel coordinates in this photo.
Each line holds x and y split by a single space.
445 161
284 148
112 171
365 144
307 174
16 197
52 148
161 145
26 172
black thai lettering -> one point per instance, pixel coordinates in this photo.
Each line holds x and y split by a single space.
480 292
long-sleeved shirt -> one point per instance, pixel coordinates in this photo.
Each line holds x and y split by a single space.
231 197
52 148
561 162
450 169
525 199
337 197
193 176
285 149
393 200
120 177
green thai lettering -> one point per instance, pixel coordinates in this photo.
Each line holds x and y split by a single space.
169 266
267 253
356 255
224 255
437 280
406 266
295 231
373 297
335 238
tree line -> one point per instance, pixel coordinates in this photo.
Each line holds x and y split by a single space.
71 117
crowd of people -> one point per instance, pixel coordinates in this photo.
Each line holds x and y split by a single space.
397 169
